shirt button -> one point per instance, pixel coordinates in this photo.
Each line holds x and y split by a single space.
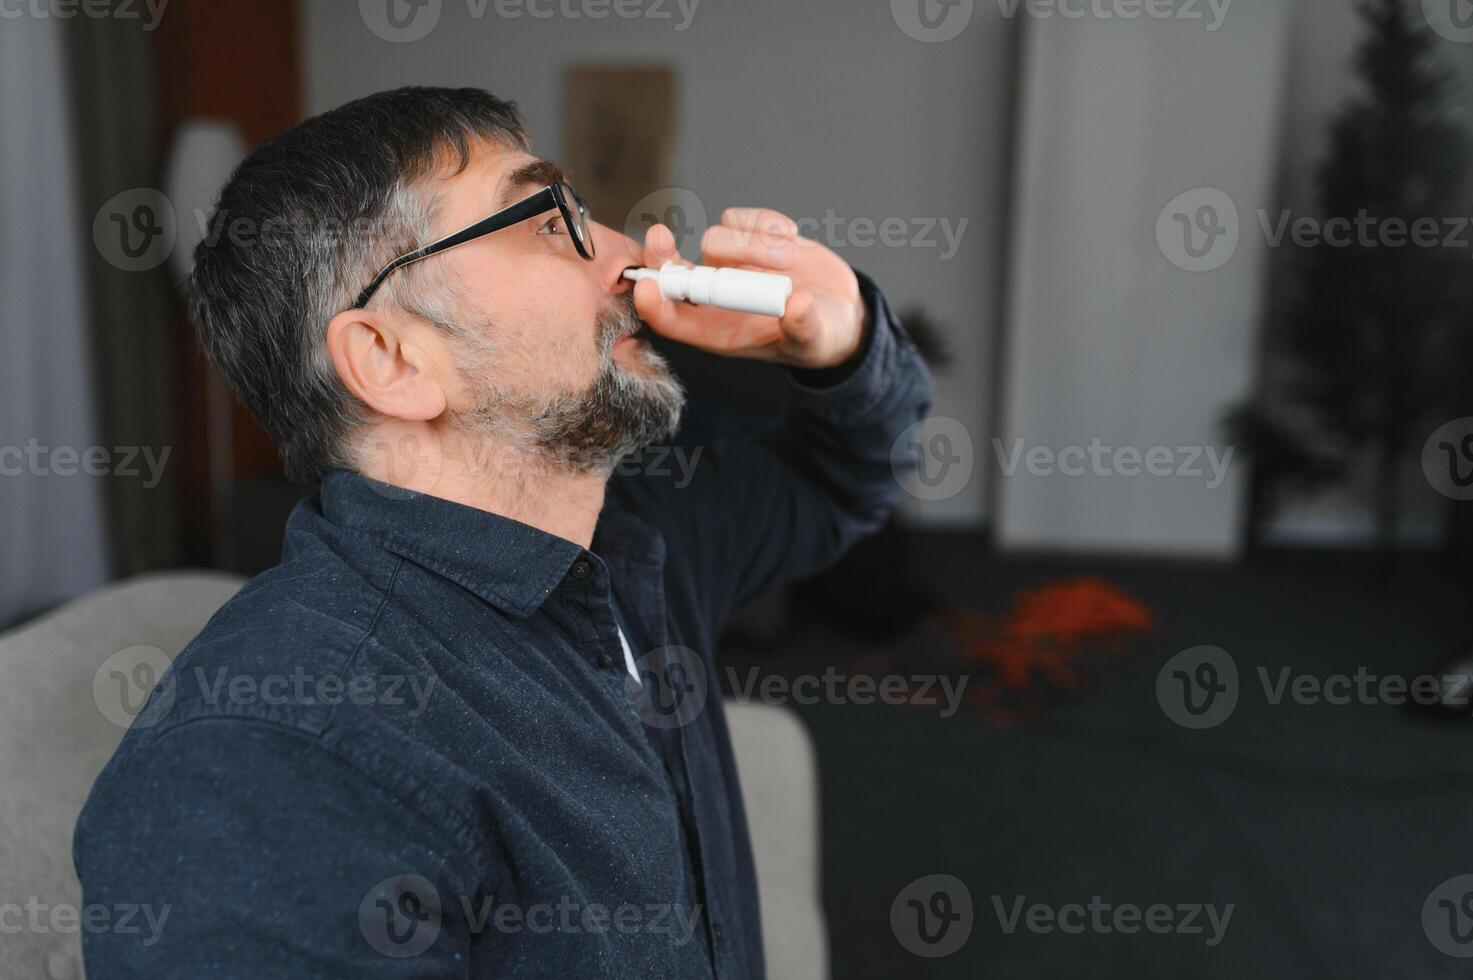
580 569
605 660
716 930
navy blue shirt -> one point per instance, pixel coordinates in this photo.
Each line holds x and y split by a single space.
413 749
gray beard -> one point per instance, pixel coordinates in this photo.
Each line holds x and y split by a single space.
589 431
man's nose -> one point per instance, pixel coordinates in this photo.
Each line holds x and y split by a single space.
613 252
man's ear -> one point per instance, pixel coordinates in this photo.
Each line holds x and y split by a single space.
383 361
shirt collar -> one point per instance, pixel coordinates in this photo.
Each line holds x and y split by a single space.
511 565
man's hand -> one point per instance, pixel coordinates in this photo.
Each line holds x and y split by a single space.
823 325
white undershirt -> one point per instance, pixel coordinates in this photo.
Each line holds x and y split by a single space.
628 656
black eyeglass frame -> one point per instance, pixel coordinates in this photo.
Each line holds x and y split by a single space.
559 195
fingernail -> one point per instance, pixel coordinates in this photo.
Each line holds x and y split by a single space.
780 254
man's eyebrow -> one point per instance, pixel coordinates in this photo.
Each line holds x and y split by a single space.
536 172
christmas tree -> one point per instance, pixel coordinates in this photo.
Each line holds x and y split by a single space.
1362 347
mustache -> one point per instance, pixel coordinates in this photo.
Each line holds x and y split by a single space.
618 320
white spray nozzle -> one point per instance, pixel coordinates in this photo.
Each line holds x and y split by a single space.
741 290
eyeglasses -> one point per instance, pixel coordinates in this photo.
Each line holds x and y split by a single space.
559 195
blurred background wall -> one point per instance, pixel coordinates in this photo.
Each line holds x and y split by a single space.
1027 160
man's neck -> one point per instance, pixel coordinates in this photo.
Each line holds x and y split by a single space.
477 471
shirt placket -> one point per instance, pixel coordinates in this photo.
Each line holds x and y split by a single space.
644 606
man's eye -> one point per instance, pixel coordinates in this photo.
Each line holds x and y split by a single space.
552 226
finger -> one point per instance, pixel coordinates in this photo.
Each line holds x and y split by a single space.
677 321
799 321
721 245
764 224
659 246
706 327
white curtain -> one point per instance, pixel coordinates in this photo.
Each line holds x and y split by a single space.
52 543
1112 346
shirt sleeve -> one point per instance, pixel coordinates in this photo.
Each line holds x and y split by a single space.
783 505
242 849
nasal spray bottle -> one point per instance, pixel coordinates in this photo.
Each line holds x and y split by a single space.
740 290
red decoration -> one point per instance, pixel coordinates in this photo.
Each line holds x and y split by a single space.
1034 651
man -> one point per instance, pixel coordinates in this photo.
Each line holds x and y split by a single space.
471 724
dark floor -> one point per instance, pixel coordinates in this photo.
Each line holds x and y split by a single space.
1326 827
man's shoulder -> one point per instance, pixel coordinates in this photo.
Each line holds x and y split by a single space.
262 687
267 653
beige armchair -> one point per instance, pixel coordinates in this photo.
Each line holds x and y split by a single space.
60 720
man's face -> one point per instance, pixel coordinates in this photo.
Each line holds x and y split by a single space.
546 353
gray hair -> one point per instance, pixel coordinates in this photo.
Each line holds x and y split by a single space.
328 203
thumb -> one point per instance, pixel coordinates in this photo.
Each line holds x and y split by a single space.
653 308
